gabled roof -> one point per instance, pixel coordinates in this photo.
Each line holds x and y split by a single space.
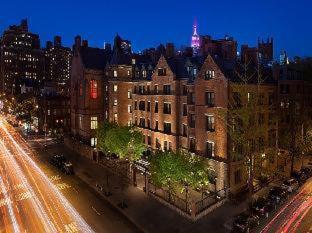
94 58
179 65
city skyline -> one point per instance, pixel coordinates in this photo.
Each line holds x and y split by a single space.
285 23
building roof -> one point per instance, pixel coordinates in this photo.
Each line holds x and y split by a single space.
179 65
94 58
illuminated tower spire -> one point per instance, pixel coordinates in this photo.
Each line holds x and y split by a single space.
195 44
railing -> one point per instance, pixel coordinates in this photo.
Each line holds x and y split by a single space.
209 200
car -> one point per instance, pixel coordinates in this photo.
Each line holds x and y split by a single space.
277 194
291 185
307 170
301 176
262 206
244 222
58 160
68 168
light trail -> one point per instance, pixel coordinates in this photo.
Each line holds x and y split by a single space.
53 212
10 207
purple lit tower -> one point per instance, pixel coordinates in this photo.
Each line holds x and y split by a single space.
195 44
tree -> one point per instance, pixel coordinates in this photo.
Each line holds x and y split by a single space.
245 119
124 141
179 171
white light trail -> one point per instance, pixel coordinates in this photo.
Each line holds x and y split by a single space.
9 204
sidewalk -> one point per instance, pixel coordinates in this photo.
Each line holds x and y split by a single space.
145 212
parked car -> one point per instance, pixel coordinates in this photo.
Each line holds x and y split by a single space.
262 206
58 160
277 194
307 170
300 176
291 185
68 168
244 222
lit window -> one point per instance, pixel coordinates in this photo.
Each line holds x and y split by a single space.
49 112
94 123
209 149
115 117
129 109
133 61
129 94
80 89
115 73
115 87
93 142
209 74
93 89
128 72
115 102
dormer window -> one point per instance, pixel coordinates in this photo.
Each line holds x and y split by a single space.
161 71
144 73
115 74
209 74
133 61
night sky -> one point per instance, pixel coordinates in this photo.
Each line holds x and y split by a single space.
148 23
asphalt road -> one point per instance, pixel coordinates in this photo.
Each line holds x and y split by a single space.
296 215
36 197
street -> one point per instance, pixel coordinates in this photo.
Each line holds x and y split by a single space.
34 197
295 215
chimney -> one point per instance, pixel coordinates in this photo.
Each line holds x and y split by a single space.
78 41
24 25
84 43
57 41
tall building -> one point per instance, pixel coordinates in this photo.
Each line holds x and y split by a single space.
262 54
58 65
195 42
21 59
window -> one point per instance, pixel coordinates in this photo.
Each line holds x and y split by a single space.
210 124
80 122
128 72
156 107
261 119
210 99
167 108
142 105
144 73
162 71
149 106
135 105
184 111
129 109
184 130
209 149
192 121
115 117
133 61
156 125
129 94
209 74
158 145
167 146
271 99
167 89
192 145
148 123
237 100
94 122
261 99
192 98
115 102
115 74
80 89
142 122
115 87
238 176
149 140
167 127
156 89
93 142
93 89
49 112
184 90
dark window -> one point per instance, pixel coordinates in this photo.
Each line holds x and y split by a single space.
184 110
167 89
162 71
210 99
191 98
210 123
148 106
142 122
135 105
237 100
156 107
148 123
184 90
238 176
142 105
149 140
192 144
156 89
158 145
209 149
184 130
167 108
167 127
156 125
261 99
148 90
192 121
271 99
